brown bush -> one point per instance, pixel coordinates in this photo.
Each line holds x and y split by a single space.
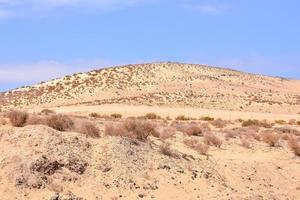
270 138
116 115
202 148
47 112
165 132
190 142
207 118
18 118
94 115
254 122
219 123
3 121
89 129
298 123
210 139
183 118
294 145
231 134
165 149
152 116
288 130
60 122
280 122
132 128
245 143
193 130
292 122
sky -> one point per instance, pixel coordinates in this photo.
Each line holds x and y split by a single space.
45 39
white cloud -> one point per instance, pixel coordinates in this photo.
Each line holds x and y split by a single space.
210 8
45 70
4 14
35 7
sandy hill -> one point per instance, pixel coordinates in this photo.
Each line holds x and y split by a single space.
171 84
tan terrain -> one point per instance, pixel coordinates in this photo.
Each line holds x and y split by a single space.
106 146
164 84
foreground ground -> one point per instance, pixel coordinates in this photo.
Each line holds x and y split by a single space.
38 162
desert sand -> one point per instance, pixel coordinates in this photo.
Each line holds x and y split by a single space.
166 156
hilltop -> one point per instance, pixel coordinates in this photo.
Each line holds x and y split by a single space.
163 84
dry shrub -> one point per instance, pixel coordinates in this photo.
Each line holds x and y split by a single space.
116 115
190 142
89 129
254 122
219 123
298 123
201 148
294 145
60 122
94 115
18 118
210 139
183 118
207 118
193 130
168 118
47 112
165 132
245 143
280 122
3 121
230 134
286 129
270 138
292 122
152 116
165 149
132 128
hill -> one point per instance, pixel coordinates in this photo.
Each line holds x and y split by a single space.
163 84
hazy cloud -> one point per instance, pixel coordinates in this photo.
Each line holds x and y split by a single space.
210 8
15 8
46 70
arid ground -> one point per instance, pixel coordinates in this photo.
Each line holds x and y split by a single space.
152 131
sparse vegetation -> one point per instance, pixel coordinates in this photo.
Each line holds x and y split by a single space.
219 123
270 138
89 129
47 112
152 116
210 139
254 122
183 118
60 122
281 122
294 145
165 149
207 118
18 118
132 128
116 116
193 129
245 143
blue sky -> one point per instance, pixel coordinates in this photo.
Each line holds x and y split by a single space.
44 39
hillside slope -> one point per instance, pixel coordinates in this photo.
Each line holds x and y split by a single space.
168 84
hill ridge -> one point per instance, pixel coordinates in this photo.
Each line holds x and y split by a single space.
163 83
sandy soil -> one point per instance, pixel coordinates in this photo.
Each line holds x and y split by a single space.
38 163
164 111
